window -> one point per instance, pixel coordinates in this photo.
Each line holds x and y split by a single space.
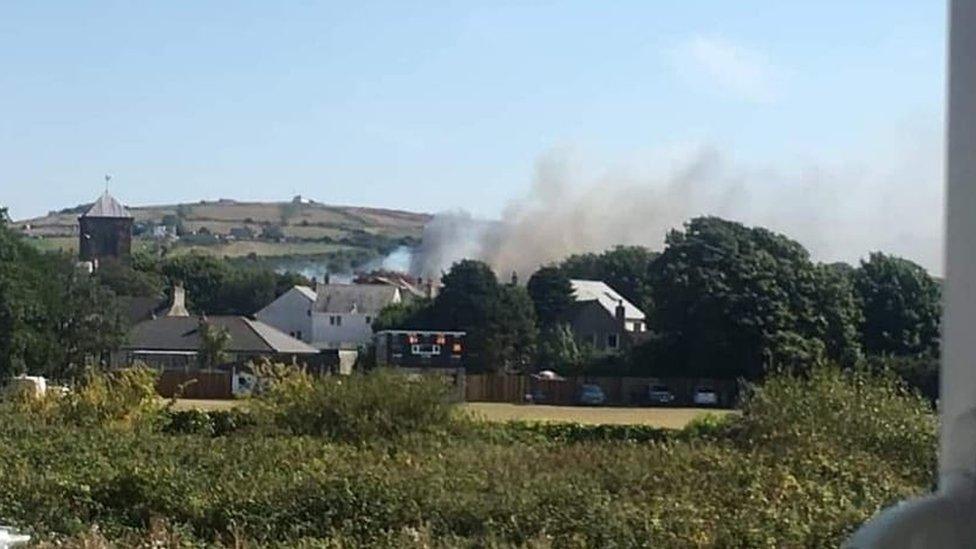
298 334
338 321
612 341
335 320
332 320
369 320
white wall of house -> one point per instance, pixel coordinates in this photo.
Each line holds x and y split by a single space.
291 313
341 330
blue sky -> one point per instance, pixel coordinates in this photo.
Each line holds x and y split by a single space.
439 105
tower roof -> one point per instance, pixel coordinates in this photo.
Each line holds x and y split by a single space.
107 206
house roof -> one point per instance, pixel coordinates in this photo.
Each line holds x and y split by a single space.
607 297
182 333
359 298
306 291
107 206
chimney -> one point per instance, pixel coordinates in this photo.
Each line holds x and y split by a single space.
178 307
621 315
325 278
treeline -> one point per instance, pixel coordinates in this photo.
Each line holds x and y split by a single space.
722 300
213 286
56 320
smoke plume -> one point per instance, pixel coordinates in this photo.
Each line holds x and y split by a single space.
888 200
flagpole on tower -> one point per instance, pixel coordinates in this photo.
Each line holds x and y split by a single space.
107 179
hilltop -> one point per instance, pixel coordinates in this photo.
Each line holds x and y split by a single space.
297 229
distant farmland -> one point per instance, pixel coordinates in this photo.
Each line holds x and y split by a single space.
266 230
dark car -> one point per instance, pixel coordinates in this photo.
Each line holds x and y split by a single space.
591 395
659 395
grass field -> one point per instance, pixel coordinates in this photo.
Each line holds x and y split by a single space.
668 418
243 248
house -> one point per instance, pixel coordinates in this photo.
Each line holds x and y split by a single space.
604 319
291 313
331 316
171 340
410 287
105 230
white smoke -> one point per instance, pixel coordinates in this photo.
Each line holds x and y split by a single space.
889 199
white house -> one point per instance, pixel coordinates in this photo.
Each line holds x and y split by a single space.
603 318
332 316
291 313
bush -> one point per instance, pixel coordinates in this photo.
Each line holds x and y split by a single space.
118 398
850 412
214 423
379 405
808 460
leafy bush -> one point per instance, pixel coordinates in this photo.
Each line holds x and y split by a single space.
382 404
529 431
119 398
808 460
213 423
850 412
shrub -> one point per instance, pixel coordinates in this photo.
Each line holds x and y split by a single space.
848 411
118 398
213 423
123 397
379 405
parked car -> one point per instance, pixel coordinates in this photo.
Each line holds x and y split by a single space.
591 395
535 396
705 397
659 395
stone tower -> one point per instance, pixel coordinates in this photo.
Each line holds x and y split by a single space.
105 230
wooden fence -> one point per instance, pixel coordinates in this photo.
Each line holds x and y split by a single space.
619 391
205 385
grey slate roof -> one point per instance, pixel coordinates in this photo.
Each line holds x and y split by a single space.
368 299
182 333
107 206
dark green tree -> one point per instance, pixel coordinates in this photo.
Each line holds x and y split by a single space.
499 320
414 314
126 280
552 295
901 305
54 319
732 301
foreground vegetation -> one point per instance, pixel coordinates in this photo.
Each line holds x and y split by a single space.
382 461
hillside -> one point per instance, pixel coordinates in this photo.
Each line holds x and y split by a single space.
228 228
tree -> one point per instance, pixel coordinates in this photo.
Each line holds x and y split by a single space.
732 301
511 332
214 340
559 351
54 319
901 304
552 295
414 314
216 286
499 320
624 268
126 280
